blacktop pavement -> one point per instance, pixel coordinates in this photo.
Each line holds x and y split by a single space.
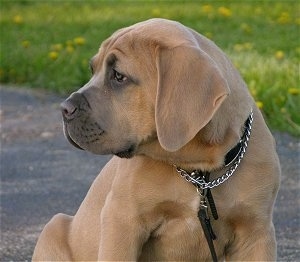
42 174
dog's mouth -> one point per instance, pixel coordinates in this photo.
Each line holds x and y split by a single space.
85 142
71 141
69 138
82 137
128 153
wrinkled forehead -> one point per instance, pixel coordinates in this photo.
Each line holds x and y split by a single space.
148 35
160 31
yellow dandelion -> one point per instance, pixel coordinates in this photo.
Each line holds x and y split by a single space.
70 49
156 12
284 18
56 47
207 9
279 55
79 41
17 19
53 55
297 21
224 11
259 104
25 43
294 91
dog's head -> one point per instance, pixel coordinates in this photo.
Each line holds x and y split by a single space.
151 82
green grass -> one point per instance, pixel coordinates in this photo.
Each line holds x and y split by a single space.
47 44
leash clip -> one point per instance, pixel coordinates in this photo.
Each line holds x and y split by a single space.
203 202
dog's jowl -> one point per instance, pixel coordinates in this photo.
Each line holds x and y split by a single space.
195 172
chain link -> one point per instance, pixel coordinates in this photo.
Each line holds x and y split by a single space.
199 181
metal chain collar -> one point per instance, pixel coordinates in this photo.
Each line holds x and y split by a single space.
199 181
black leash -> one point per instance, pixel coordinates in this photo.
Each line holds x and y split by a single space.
206 197
200 179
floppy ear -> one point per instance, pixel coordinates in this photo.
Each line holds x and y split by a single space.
190 90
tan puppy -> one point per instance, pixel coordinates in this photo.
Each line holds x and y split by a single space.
163 95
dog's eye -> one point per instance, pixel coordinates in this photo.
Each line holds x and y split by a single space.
119 77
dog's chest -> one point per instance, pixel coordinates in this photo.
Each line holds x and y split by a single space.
177 239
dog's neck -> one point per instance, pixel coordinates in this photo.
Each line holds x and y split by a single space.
207 155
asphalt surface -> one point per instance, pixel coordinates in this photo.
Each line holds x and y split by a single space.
42 174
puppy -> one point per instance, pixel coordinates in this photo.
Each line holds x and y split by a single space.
169 105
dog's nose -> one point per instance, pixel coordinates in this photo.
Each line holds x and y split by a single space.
70 107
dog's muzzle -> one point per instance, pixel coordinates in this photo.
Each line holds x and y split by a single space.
79 128
72 106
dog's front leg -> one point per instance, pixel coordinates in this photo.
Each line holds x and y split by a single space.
257 245
122 233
